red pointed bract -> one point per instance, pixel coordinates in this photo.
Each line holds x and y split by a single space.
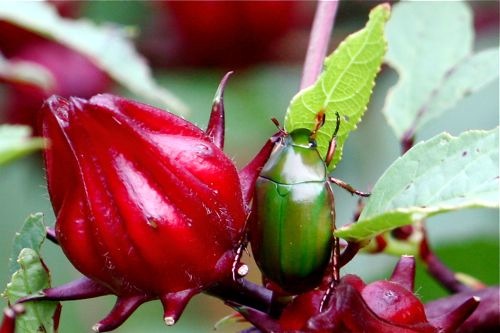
216 123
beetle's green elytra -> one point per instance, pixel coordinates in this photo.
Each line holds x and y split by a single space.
293 215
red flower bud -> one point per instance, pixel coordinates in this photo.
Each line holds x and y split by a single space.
23 100
382 306
149 190
148 206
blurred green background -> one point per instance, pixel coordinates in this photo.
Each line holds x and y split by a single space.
467 241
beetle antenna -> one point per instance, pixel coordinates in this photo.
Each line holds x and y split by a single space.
333 143
337 126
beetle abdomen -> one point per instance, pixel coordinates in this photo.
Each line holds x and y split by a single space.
292 233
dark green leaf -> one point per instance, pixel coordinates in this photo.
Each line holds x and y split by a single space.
31 236
443 174
31 277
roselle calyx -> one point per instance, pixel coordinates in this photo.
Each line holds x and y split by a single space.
148 206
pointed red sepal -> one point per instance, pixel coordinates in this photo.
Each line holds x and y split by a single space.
449 322
483 319
175 303
250 173
260 319
9 318
50 233
123 308
79 289
216 124
404 273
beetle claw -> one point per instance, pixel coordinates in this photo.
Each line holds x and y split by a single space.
236 262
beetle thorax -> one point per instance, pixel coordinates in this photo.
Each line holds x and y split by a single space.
296 160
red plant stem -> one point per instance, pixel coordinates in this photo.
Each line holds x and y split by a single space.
319 39
350 251
438 270
407 141
243 292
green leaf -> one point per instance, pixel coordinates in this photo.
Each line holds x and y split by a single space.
31 236
430 46
16 141
442 174
29 279
470 75
106 46
344 86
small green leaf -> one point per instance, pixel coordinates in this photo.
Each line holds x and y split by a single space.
442 174
31 236
344 86
430 46
16 141
26 72
106 46
29 279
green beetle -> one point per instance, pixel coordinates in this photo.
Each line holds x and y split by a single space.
293 214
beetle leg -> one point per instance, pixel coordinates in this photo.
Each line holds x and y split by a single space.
348 187
215 129
335 262
240 270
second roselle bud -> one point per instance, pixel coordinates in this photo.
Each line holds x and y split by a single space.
388 306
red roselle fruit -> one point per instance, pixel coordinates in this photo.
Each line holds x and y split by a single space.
387 306
148 206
